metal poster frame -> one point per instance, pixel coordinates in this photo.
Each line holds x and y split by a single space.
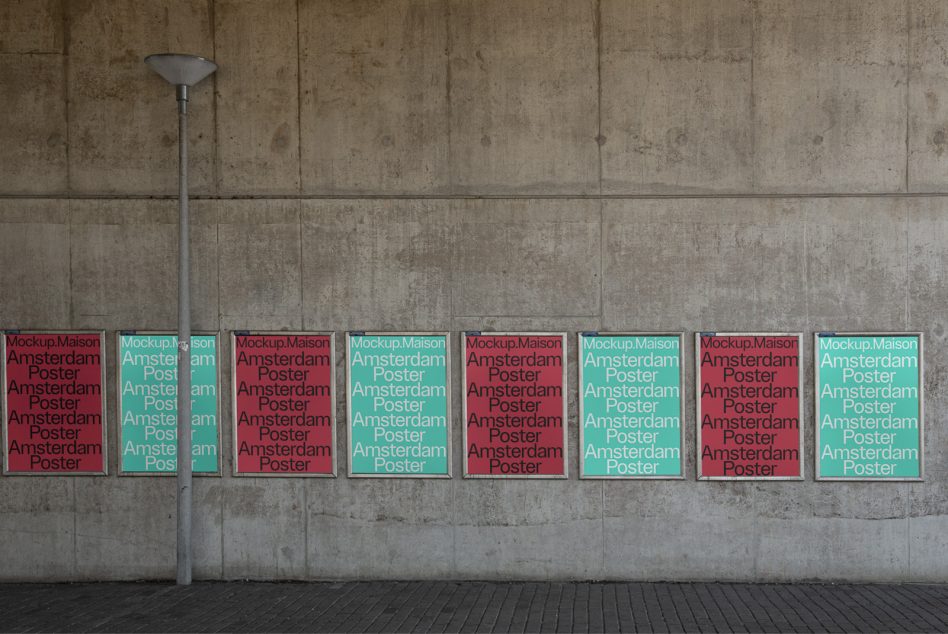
118 404
233 393
3 395
448 388
799 336
921 403
681 404
486 476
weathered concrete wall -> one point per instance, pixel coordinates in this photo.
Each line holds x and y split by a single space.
450 165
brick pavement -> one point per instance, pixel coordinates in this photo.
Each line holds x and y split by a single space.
434 606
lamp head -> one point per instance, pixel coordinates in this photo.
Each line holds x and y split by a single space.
181 70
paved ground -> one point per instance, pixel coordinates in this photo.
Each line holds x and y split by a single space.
472 607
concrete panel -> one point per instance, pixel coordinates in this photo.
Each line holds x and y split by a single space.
125 528
257 97
691 547
523 96
208 524
34 264
381 528
530 323
774 531
31 26
37 524
830 96
727 504
33 137
930 498
821 500
928 548
691 264
927 260
260 263
537 529
677 104
376 264
673 500
526 257
264 528
927 299
856 263
928 105
125 264
652 530
832 550
123 124
373 96
122 522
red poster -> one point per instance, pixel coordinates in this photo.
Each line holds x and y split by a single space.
515 415
54 403
749 406
283 404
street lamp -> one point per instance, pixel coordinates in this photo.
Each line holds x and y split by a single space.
183 71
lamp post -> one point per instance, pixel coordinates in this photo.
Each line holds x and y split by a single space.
183 71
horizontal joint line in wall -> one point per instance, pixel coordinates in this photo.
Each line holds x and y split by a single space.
62 196
534 316
19 53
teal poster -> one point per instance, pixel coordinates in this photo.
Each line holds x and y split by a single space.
398 396
630 406
148 406
869 412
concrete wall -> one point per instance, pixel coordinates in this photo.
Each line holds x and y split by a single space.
452 164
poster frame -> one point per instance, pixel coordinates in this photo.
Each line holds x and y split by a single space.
681 404
921 403
802 421
486 476
449 422
118 404
3 396
233 394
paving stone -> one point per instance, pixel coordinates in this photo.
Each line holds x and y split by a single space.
441 606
